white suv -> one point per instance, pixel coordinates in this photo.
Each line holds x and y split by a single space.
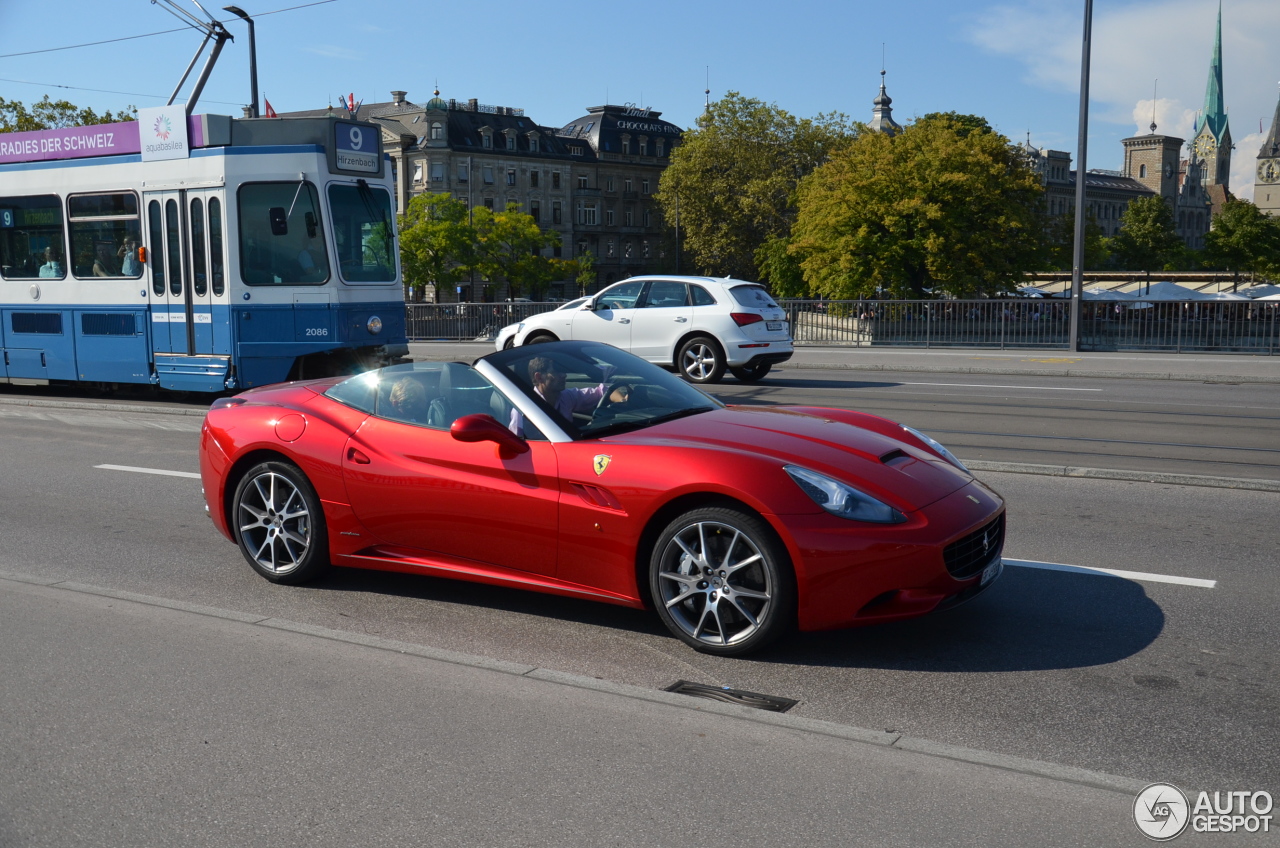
698 325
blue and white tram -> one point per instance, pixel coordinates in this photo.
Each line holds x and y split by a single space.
267 252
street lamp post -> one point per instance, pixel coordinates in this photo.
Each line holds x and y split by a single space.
253 59
1082 170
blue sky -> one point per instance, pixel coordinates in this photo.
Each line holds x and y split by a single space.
1016 63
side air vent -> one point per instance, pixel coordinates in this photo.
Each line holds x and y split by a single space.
41 323
108 324
596 496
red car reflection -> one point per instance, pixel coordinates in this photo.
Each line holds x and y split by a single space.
577 469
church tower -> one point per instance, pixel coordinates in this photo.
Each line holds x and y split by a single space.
882 115
1266 186
1212 139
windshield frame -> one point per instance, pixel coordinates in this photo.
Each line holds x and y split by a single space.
496 367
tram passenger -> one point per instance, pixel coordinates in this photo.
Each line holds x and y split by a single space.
52 266
103 262
129 264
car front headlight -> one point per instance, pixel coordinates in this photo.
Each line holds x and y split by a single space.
842 499
936 445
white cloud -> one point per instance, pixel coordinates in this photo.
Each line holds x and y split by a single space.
1243 164
330 51
1139 42
1171 118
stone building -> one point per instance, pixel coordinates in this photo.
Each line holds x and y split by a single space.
1266 186
591 180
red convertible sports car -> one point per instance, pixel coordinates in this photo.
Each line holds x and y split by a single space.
578 469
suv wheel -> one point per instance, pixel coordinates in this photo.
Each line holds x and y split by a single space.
700 360
752 373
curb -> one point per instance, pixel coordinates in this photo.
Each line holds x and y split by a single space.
1132 476
99 407
1034 372
924 747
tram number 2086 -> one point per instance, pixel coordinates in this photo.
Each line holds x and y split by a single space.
317 331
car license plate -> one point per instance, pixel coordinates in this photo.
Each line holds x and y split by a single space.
773 326
989 573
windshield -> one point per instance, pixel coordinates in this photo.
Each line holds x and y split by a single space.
594 390
281 240
362 232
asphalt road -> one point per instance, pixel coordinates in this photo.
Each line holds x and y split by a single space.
1150 680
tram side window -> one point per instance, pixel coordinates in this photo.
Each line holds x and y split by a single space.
363 231
105 233
31 241
281 239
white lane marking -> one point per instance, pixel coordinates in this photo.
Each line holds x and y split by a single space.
161 471
987 386
1114 572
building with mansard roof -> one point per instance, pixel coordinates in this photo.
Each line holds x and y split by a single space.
591 180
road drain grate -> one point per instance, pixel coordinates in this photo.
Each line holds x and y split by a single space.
772 703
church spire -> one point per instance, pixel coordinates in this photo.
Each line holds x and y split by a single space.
882 115
1215 113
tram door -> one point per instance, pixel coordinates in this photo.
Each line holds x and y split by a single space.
181 302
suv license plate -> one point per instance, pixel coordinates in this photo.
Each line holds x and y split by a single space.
773 326
989 573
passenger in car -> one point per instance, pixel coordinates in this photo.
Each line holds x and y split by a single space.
408 401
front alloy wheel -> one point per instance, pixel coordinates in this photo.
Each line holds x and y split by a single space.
721 582
279 524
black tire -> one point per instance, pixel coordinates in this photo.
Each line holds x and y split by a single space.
279 524
725 611
752 373
700 360
509 343
541 338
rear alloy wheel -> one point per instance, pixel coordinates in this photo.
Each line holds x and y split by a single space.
700 360
722 582
752 373
279 524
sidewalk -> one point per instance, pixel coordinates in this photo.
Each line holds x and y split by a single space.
1228 368
141 721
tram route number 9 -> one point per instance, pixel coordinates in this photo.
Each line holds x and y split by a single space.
317 331
357 138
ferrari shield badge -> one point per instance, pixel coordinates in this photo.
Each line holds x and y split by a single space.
601 463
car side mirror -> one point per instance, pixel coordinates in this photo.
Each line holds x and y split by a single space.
485 428
279 221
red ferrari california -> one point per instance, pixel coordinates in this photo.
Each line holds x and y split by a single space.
578 469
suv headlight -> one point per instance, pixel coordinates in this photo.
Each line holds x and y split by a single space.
842 499
936 445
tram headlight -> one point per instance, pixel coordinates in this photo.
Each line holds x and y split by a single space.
374 326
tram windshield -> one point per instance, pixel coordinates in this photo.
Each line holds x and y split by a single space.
31 243
281 237
363 232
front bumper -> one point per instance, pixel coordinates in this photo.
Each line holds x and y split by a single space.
850 574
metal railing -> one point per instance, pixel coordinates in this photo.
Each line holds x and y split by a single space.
1137 325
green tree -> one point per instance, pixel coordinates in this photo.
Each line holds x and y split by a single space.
1060 233
49 114
586 271
437 244
1244 238
509 246
965 124
731 182
1148 238
938 207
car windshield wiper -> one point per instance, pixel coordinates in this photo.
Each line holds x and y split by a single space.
628 426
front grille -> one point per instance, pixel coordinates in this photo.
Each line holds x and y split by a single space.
974 552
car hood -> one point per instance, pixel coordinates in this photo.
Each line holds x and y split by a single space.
897 472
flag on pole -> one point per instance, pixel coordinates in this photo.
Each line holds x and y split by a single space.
271 113
351 102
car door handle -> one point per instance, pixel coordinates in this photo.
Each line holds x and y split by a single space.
624 320
681 320
357 457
